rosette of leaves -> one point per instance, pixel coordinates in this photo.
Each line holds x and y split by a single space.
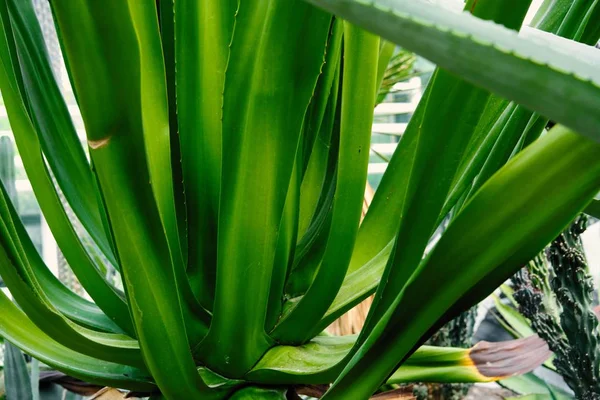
228 145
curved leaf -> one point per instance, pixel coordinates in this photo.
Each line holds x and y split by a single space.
55 130
105 44
556 176
555 77
255 177
203 32
107 298
16 376
18 329
359 82
321 359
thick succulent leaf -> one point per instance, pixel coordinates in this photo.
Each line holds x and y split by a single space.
68 303
315 362
556 176
321 165
503 122
167 33
56 132
510 132
308 186
157 140
553 76
105 296
106 56
357 286
320 360
18 329
381 223
484 362
318 187
260 76
454 107
203 32
358 99
383 219
314 118
286 246
17 382
491 124
20 279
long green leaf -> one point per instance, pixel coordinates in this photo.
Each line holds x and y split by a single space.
55 129
561 168
20 279
157 139
16 376
318 189
359 82
18 329
261 74
315 114
382 220
203 32
106 56
502 124
167 32
68 303
107 298
321 360
286 246
454 107
553 76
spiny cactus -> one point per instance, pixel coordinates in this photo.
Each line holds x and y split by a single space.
573 335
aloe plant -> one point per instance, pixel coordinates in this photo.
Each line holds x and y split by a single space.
229 144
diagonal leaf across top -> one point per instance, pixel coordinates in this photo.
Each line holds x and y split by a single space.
553 76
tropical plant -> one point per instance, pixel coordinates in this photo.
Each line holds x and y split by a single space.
229 144
561 312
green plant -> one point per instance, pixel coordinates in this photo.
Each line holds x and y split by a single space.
456 333
17 381
229 144
564 316
400 66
